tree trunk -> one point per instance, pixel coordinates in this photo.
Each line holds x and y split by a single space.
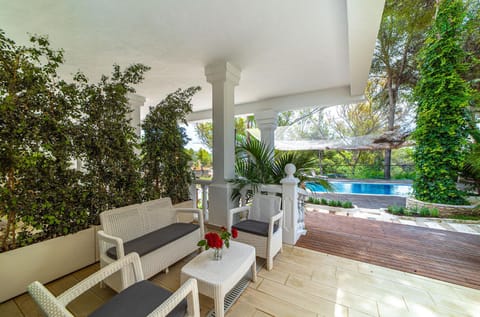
320 157
387 163
392 103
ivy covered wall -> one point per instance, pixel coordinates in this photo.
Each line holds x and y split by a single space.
442 96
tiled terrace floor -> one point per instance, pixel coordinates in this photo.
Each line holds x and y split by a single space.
304 283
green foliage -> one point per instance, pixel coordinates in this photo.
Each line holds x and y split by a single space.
332 203
37 130
466 217
107 141
204 130
45 124
442 96
413 211
204 157
165 162
394 72
257 164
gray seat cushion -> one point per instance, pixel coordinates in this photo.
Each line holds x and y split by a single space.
254 227
139 300
156 239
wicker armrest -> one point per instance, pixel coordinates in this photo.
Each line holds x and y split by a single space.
194 211
55 306
278 217
234 211
105 240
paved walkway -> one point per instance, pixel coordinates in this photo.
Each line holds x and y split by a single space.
367 201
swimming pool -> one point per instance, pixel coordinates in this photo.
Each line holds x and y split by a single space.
365 188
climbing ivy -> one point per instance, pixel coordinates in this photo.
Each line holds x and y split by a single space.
442 96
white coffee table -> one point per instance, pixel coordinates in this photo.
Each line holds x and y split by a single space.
216 278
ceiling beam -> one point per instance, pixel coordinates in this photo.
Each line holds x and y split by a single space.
317 98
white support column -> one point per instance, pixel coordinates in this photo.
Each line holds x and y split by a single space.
136 102
267 122
224 77
290 205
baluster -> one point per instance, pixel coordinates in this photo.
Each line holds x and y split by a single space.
205 201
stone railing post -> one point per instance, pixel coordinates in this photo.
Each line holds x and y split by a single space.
290 205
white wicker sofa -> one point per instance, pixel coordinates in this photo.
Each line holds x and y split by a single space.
153 230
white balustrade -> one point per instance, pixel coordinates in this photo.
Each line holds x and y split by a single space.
199 188
293 202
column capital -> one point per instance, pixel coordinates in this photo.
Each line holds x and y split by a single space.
223 72
266 119
136 100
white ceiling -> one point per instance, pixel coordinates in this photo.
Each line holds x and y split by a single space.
292 53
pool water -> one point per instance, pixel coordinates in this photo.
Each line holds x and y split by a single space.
364 188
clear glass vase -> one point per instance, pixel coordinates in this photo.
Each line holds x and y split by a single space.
217 254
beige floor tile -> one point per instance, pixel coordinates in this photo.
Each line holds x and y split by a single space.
325 278
348 265
367 268
27 306
274 275
85 304
274 306
85 272
429 310
302 283
311 302
10 309
293 267
259 313
337 295
385 285
395 310
356 313
465 306
104 292
170 280
241 309
255 285
59 286
465 293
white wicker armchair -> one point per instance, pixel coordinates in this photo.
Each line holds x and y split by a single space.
142 298
262 227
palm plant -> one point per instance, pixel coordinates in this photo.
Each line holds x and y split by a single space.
257 164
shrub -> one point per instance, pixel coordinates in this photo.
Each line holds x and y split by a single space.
424 212
396 210
347 204
434 212
331 203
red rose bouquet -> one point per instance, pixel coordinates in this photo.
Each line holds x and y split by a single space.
216 241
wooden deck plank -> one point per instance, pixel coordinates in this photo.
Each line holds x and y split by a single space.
444 255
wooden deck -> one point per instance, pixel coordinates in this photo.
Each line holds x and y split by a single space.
448 256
